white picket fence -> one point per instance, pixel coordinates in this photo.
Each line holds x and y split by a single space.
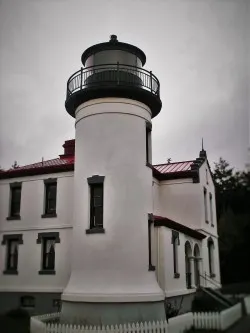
217 320
175 325
200 320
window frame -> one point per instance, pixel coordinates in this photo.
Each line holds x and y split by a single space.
7 239
211 247
47 184
151 267
95 182
205 204
41 239
12 215
25 298
148 144
211 209
176 243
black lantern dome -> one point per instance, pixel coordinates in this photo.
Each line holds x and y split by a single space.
113 69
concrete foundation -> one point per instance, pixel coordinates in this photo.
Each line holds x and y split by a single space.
111 313
44 302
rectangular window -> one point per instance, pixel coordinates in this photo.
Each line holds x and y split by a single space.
150 222
50 197
211 208
96 206
148 143
27 301
12 243
48 260
15 200
205 204
176 243
12 255
48 242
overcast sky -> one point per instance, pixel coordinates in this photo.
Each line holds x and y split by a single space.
198 49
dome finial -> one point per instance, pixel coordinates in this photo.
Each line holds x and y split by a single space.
113 39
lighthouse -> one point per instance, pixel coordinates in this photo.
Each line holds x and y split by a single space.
113 100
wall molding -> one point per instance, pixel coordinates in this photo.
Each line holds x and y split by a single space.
47 227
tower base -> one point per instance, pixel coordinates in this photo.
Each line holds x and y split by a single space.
84 313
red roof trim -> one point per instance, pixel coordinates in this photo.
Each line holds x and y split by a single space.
160 221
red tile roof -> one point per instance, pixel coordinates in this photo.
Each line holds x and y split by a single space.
174 167
44 164
67 160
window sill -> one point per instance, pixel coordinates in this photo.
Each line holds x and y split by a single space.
176 275
10 272
47 272
95 231
151 268
207 222
45 216
12 218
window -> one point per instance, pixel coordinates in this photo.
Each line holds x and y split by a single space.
205 204
12 245
210 245
96 204
27 301
15 201
48 260
56 303
148 143
206 177
150 222
211 208
50 198
176 243
48 242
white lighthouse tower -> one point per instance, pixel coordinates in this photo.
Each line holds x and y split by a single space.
113 100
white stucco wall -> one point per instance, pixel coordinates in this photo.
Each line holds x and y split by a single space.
29 264
31 223
207 182
110 142
183 201
179 200
176 286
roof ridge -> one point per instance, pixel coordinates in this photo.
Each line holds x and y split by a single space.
26 165
174 162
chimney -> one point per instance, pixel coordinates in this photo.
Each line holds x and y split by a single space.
69 149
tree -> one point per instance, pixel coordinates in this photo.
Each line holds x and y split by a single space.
233 212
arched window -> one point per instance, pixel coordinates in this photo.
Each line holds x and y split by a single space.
188 255
197 265
176 243
210 245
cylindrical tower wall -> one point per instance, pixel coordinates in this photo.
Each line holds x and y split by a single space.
112 266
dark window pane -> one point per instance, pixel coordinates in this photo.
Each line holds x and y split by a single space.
27 301
48 254
15 201
50 198
96 206
12 254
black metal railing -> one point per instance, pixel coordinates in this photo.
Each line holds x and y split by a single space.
113 75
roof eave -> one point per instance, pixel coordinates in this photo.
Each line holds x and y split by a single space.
165 222
36 171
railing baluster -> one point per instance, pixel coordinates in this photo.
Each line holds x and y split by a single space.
81 78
